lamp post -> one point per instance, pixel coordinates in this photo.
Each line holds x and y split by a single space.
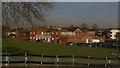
118 39
118 46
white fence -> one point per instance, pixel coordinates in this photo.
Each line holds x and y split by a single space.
36 59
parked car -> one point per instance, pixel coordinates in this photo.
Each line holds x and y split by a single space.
70 43
79 44
86 44
40 40
116 45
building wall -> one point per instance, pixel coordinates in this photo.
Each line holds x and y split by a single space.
63 39
57 36
40 34
75 36
67 33
113 33
78 32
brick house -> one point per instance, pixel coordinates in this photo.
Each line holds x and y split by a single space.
34 33
18 33
48 35
72 34
45 37
55 34
22 33
91 37
77 35
64 35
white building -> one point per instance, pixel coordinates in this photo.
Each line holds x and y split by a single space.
67 33
46 37
113 33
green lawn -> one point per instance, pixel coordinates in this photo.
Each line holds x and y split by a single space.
13 45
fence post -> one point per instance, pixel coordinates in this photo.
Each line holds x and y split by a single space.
106 58
88 61
119 59
109 61
7 60
73 59
57 59
41 57
25 59
106 61
105 65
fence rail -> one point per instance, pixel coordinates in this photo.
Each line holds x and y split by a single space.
40 59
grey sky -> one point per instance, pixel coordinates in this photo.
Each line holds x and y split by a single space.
105 14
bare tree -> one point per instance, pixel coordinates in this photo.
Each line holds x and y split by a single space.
84 26
28 12
118 36
94 27
72 26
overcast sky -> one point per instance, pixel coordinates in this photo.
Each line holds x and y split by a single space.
105 14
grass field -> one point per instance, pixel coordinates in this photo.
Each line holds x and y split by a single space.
14 45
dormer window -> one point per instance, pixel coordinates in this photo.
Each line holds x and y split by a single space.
41 32
56 32
52 33
30 32
30 37
33 32
33 37
76 32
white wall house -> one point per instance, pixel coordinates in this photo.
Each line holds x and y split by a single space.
10 33
67 33
46 37
113 33
95 40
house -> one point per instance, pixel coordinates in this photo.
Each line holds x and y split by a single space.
55 34
24 33
35 34
64 35
91 37
72 34
78 35
48 35
114 33
6 32
11 34
16 33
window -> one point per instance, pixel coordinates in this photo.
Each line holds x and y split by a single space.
33 37
45 38
37 38
76 32
52 38
56 32
30 32
30 37
48 39
52 33
33 32
41 32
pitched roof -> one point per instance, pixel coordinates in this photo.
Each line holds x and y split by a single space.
38 29
50 30
71 29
